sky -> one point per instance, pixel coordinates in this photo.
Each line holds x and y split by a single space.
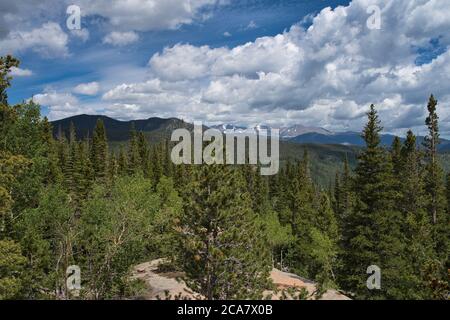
246 62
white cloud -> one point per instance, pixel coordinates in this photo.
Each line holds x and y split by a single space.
55 98
328 74
62 105
227 34
325 75
19 72
120 39
49 40
82 34
146 15
89 89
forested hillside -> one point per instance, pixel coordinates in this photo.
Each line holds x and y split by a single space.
327 156
71 200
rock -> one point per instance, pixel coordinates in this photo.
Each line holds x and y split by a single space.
169 285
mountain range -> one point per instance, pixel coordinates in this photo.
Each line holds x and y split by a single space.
156 128
327 150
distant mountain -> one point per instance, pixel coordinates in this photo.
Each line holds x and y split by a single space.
327 150
156 128
285 132
118 130
297 130
345 138
355 139
225 128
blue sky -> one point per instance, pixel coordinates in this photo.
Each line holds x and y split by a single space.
313 62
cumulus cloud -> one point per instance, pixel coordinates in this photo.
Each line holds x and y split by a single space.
49 40
82 34
62 104
25 14
147 15
120 39
89 89
55 98
19 72
327 74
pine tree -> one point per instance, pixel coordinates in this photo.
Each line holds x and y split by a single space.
122 162
448 193
69 164
113 168
302 204
157 163
167 162
83 172
12 264
6 64
434 183
144 154
54 172
435 189
99 150
223 250
373 232
347 197
337 194
417 227
396 157
324 237
62 150
134 161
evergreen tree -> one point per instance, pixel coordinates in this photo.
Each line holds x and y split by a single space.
11 269
114 233
99 151
113 168
337 194
83 172
144 155
134 159
434 183
396 156
373 232
448 193
6 64
435 189
157 163
223 252
417 227
54 172
122 162
69 164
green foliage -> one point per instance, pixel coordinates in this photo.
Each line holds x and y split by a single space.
99 153
164 235
48 236
115 227
6 63
222 250
373 230
11 268
107 207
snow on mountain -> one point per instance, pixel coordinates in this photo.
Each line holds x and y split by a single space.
285 132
